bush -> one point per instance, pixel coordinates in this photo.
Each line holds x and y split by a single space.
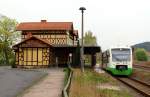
141 55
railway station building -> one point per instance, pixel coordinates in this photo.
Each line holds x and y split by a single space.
46 44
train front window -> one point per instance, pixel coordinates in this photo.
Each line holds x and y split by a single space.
121 54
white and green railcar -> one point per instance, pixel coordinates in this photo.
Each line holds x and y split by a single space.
118 60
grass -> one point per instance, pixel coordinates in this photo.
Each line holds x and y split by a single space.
85 85
141 75
148 58
113 93
90 76
144 63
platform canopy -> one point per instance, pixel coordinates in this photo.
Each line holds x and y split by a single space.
87 49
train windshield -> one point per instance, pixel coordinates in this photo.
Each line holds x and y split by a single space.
121 54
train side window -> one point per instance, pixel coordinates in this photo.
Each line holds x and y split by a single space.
107 56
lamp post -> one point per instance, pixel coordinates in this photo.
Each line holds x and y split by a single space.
82 33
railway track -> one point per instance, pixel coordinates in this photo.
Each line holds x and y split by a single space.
139 86
142 67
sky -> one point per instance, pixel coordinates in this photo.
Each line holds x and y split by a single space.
113 22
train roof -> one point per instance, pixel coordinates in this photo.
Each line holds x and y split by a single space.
118 47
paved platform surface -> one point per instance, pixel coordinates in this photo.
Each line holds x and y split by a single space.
98 69
50 86
13 81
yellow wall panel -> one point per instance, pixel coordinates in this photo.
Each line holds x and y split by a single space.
29 54
16 62
34 54
44 57
29 63
20 57
44 50
34 63
16 56
20 62
25 56
44 63
40 56
24 63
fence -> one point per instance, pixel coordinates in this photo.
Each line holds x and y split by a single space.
65 92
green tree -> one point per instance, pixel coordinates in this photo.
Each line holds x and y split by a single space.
141 54
89 39
8 37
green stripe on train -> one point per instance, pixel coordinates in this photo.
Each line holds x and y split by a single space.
120 72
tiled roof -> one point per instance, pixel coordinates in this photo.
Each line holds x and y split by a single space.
43 25
33 37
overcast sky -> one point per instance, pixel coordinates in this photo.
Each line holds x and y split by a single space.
113 22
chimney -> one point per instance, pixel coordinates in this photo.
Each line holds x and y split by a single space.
43 21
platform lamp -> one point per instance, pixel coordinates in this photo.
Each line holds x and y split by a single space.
82 33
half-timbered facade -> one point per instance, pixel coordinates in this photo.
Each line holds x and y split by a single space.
39 41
